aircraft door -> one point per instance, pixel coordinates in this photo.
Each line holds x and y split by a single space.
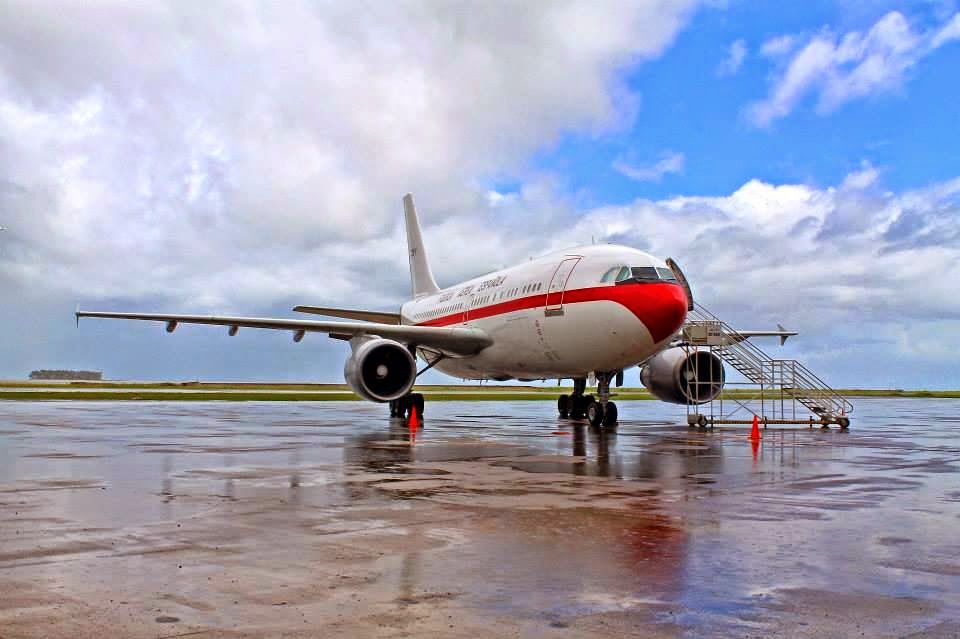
558 284
673 266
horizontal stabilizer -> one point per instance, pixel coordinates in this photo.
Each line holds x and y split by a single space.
709 333
782 333
381 317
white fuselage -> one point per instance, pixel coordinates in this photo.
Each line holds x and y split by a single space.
563 315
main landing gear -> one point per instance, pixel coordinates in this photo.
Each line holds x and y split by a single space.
402 407
598 411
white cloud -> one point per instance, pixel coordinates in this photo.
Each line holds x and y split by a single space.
220 153
670 162
736 54
841 68
948 33
820 258
778 46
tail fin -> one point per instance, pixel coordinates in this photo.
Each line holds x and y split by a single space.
420 276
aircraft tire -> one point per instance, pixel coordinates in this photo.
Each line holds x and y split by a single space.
576 407
563 406
402 406
610 415
595 413
580 406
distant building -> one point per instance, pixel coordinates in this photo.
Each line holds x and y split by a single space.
67 375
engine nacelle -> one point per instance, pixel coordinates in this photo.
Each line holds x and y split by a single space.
380 370
679 376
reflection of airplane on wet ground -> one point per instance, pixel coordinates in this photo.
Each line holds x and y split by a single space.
590 311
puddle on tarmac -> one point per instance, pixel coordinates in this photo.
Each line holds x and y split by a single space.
488 513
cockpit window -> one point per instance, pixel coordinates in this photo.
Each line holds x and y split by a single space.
666 274
634 274
616 274
644 273
611 275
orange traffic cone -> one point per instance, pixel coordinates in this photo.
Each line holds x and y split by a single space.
413 417
755 430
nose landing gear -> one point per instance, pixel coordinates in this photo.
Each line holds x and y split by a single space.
578 405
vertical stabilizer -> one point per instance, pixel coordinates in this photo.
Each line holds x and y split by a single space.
421 278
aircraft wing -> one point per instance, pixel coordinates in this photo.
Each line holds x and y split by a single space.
453 341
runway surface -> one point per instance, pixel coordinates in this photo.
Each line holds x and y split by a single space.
218 519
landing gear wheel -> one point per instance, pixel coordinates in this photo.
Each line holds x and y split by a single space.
610 415
595 413
583 411
563 406
400 407
843 423
578 406
588 401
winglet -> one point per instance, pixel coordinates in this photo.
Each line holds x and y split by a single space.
783 338
77 315
421 278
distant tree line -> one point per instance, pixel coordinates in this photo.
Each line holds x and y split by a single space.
59 374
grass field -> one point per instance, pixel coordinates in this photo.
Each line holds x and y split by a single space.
217 391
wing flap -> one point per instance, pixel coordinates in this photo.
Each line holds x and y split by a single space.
381 317
454 341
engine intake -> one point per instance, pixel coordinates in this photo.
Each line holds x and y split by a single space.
679 376
380 370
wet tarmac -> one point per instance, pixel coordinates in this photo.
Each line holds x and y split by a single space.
493 520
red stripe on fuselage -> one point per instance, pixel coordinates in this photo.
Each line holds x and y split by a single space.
662 307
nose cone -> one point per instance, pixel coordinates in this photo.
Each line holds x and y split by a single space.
663 309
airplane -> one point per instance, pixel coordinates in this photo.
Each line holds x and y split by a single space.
586 312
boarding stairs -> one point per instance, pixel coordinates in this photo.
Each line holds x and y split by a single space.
787 377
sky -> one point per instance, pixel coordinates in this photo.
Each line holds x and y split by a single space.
799 160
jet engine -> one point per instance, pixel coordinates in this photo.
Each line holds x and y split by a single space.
681 376
380 370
